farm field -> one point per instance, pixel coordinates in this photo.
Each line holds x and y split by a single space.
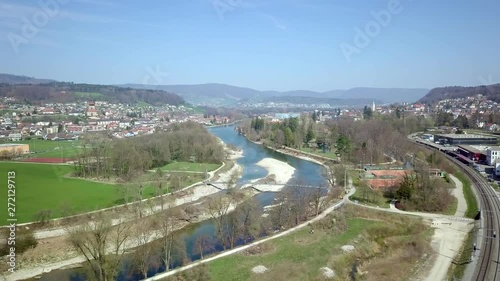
88 95
190 167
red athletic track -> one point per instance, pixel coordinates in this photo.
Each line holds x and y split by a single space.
48 160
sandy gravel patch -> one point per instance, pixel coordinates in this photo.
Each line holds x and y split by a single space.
282 171
259 269
328 272
446 241
347 248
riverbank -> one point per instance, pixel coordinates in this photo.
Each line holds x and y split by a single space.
319 217
296 154
53 253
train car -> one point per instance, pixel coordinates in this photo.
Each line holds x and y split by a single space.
464 159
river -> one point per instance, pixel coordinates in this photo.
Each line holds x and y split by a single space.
306 172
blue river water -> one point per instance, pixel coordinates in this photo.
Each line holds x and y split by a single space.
307 173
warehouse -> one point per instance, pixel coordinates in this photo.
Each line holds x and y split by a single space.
476 153
458 139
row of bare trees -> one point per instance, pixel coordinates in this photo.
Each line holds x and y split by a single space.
106 243
103 157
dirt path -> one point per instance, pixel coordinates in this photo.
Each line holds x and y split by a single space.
458 192
449 234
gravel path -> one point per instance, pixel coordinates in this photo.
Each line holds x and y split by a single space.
458 192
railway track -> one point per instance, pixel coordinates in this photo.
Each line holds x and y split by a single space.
488 264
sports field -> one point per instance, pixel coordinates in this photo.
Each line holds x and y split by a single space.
52 149
44 187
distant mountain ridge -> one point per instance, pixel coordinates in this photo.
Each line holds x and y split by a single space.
18 79
47 91
228 94
491 92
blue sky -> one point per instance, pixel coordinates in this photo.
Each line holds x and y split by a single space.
263 44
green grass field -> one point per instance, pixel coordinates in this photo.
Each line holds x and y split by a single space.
452 208
367 196
294 255
190 167
472 207
88 95
331 154
44 187
381 241
52 149
47 187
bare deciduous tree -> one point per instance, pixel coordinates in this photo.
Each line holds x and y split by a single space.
218 207
143 256
102 245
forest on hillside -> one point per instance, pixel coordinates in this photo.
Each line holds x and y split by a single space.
491 92
62 92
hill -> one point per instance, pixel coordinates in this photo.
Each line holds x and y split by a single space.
17 79
222 94
61 92
491 92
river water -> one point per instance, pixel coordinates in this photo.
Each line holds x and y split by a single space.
306 173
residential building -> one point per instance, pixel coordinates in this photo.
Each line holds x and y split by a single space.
15 137
492 155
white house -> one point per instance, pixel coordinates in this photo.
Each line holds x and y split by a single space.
15 136
492 155
51 130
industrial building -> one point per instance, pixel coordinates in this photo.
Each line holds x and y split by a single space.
476 152
14 148
460 139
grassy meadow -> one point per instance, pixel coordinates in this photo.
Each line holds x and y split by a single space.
386 245
190 167
45 187
52 149
330 154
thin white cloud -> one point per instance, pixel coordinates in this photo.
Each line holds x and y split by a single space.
276 22
18 11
